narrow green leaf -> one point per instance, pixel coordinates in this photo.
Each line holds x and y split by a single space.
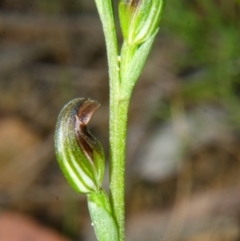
102 218
135 66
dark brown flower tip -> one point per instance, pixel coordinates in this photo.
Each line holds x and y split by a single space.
85 139
86 110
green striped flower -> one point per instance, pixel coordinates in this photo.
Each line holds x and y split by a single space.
79 154
139 19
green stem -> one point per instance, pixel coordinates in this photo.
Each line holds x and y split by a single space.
118 118
106 15
118 122
119 102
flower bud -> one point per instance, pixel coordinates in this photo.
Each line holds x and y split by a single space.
79 154
139 19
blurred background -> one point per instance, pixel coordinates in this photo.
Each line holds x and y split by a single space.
183 148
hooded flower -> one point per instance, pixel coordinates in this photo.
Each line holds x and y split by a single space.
79 154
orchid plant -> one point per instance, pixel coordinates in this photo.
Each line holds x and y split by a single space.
79 154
